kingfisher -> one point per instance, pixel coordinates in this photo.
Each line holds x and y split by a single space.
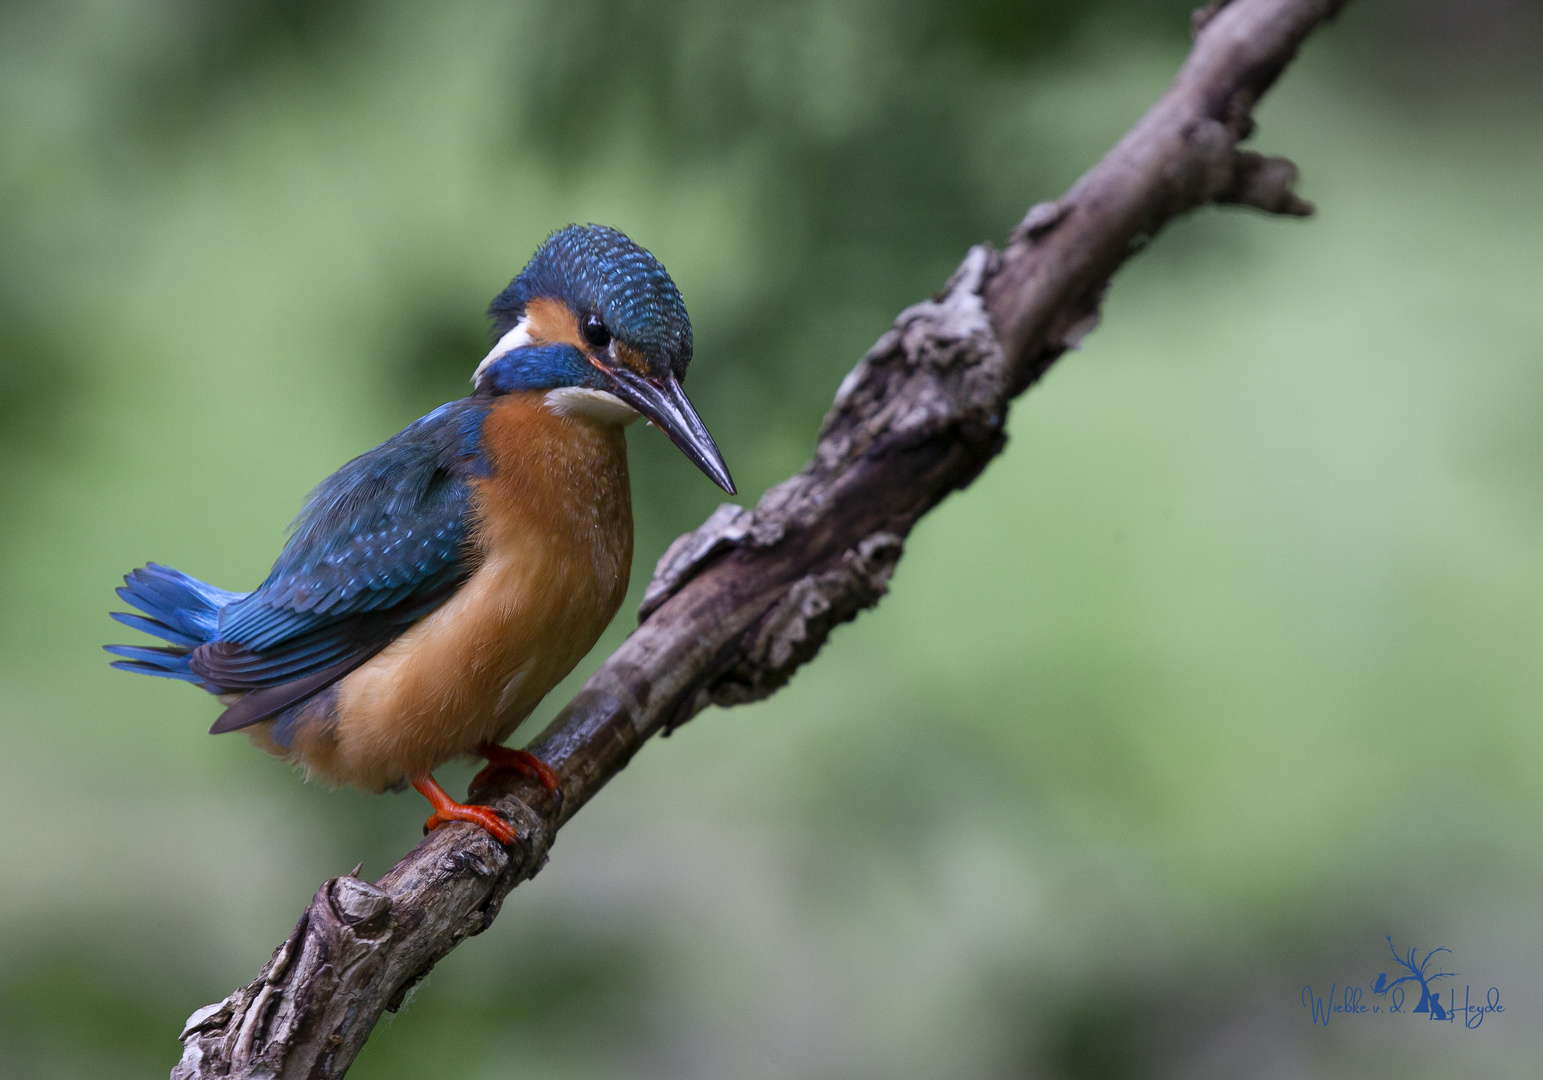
434 589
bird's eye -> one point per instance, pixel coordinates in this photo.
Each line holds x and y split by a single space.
593 328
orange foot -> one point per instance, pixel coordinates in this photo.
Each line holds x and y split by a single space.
522 762
447 809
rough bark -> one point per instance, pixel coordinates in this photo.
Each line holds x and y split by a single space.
736 606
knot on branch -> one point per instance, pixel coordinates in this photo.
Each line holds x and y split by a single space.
1221 173
1213 170
795 629
1040 219
1264 183
360 906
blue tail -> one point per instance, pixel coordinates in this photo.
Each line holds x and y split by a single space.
181 610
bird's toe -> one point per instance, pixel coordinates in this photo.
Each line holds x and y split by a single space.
491 820
521 761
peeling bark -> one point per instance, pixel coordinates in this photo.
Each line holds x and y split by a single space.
736 606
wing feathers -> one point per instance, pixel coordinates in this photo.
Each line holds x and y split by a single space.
381 543
259 705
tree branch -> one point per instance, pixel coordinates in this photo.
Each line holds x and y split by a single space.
736 606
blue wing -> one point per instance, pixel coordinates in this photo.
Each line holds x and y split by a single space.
380 544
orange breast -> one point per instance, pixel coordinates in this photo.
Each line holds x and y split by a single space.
554 539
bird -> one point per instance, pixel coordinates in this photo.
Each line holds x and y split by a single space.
434 589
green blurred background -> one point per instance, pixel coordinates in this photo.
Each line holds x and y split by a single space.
1228 667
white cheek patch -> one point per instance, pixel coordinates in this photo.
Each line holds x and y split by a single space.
517 338
596 405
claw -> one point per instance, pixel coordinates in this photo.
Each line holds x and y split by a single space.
447 809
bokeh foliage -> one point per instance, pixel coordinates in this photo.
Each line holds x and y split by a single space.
1226 669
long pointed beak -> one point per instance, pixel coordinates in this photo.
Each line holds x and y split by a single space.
664 402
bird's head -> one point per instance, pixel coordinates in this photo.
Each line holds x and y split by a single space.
595 322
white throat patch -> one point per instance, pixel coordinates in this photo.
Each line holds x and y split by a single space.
517 338
596 405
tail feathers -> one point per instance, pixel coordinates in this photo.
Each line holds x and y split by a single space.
148 660
155 627
180 603
178 609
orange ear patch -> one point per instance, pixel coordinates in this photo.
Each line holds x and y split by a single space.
552 322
